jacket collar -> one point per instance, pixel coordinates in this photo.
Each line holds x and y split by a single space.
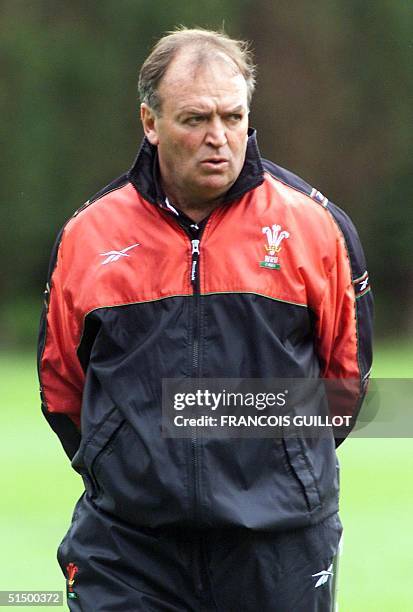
144 174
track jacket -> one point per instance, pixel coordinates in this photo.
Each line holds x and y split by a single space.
272 284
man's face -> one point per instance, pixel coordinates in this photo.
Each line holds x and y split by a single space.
201 132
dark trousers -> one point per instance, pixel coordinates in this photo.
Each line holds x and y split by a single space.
110 566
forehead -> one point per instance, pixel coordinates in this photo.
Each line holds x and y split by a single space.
195 78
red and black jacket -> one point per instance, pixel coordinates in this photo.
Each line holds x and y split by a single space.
130 301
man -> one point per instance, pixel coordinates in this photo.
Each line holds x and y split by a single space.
203 261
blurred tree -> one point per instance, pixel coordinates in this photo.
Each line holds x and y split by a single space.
72 119
333 104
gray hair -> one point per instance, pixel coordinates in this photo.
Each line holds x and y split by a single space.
164 51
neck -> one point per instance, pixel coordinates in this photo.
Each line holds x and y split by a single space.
195 209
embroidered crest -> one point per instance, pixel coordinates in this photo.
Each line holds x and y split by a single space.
274 238
72 570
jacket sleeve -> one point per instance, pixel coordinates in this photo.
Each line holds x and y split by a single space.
60 373
344 326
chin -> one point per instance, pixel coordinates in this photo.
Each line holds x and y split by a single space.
217 186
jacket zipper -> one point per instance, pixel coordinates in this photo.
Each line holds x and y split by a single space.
195 233
195 287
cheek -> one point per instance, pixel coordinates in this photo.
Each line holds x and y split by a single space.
186 155
184 148
238 140
240 148
191 143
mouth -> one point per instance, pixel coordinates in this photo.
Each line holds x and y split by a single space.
215 162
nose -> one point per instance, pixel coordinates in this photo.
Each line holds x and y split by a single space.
216 133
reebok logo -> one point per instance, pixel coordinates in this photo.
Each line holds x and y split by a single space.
115 255
323 576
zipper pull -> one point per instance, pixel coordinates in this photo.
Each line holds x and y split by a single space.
195 255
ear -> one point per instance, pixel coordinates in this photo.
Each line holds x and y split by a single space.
148 119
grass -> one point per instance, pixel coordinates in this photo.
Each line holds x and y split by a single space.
38 486
39 490
376 509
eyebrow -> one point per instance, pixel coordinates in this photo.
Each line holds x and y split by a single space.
237 109
193 110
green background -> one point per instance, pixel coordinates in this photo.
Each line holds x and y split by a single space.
39 490
333 104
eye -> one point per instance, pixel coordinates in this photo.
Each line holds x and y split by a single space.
234 117
194 120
